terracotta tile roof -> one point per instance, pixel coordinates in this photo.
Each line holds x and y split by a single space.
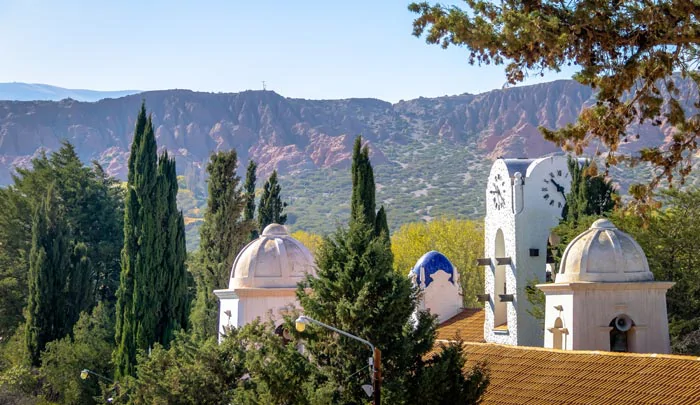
468 325
528 375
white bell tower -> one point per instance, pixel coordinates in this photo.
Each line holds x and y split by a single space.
605 297
524 201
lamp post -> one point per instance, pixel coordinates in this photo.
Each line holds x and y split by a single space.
375 361
85 374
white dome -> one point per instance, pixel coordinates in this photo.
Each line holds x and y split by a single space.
274 260
603 253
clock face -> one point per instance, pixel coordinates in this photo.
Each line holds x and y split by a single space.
497 191
553 191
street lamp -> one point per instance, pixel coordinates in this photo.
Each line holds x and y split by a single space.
375 361
85 374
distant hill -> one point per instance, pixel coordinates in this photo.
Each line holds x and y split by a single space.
32 92
431 155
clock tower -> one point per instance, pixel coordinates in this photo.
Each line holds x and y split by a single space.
524 201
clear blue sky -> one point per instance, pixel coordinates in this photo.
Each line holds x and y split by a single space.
320 49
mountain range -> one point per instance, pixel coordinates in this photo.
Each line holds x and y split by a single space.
35 91
431 155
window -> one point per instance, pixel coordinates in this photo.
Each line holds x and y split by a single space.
500 312
620 333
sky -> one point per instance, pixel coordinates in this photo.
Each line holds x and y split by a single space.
315 49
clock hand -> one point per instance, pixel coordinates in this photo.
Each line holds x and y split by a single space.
560 189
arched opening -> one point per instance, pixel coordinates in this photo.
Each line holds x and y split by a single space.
550 259
558 335
500 313
621 333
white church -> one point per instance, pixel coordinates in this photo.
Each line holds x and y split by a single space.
605 335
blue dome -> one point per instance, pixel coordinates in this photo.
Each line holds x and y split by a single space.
431 262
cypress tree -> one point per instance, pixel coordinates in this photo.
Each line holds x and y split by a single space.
223 234
249 188
381 226
362 205
152 298
590 193
271 205
171 273
49 262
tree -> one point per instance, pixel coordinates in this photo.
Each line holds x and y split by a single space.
92 343
444 380
462 241
628 51
362 205
669 240
49 261
193 371
249 187
590 194
223 234
91 203
311 241
271 205
357 290
152 299
171 274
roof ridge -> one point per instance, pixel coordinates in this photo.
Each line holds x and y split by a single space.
589 352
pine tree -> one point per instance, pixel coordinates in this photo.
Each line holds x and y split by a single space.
357 290
249 187
271 205
48 269
152 297
223 234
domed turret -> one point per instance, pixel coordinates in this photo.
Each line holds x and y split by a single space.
431 262
274 260
603 253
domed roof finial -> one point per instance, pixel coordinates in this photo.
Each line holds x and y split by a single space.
603 253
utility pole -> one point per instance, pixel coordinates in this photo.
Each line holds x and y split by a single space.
377 375
264 88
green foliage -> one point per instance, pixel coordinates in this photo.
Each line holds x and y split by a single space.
444 380
20 385
462 241
91 207
223 235
358 291
362 204
190 372
249 189
252 365
670 240
627 50
90 347
590 194
152 297
53 276
271 205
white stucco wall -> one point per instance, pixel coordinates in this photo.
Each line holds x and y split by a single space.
588 309
249 304
441 297
526 221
